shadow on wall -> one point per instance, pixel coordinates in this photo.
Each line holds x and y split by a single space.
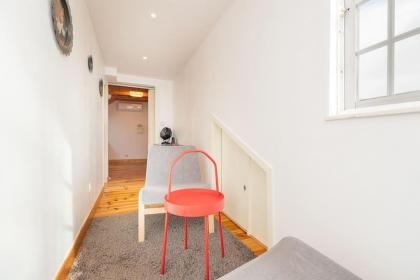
72 174
60 181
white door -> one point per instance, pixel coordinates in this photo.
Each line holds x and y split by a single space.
151 133
235 172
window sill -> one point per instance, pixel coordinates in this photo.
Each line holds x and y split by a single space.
377 111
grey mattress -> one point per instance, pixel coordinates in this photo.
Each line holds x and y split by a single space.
291 259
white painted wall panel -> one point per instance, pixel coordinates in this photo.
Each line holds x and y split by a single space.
349 188
258 212
52 137
235 177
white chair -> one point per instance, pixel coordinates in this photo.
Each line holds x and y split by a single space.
187 174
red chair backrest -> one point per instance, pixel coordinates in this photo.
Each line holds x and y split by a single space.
178 158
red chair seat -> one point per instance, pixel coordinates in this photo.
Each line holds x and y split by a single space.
194 202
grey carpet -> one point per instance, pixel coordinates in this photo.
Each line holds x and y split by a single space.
110 250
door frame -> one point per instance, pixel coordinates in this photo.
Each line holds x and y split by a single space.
217 129
105 162
152 107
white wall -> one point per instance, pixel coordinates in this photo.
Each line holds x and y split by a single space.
349 188
182 110
125 141
52 137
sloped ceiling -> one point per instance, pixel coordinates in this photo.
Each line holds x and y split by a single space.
127 32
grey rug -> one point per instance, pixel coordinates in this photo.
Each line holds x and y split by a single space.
111 251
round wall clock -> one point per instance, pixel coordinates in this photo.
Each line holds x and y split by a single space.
90 63
62 25
101 87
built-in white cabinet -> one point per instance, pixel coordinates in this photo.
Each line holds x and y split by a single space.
244 184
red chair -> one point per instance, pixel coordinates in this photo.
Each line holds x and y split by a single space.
194 203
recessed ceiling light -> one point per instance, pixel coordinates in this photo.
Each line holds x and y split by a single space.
136 94
153 15
144 57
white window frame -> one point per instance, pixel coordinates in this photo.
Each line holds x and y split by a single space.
346 56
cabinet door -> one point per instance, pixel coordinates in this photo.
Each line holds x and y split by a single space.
258 203
235 171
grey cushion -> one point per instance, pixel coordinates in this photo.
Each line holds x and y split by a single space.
187 173
291 259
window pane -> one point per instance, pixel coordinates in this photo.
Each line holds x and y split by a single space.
407 15
373 21
373 74
407 65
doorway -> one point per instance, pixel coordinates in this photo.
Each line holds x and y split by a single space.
128 129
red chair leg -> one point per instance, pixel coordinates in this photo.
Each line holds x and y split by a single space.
206 244
185 233
165 237
222 243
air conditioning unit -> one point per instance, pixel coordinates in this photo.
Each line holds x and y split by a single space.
132 107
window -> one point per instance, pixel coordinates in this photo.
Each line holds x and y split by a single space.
378 52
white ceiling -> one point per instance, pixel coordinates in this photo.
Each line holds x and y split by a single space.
126 32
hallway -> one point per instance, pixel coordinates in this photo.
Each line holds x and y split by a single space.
310 109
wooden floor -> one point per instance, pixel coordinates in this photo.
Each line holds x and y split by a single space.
121 197
127 169
120 194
